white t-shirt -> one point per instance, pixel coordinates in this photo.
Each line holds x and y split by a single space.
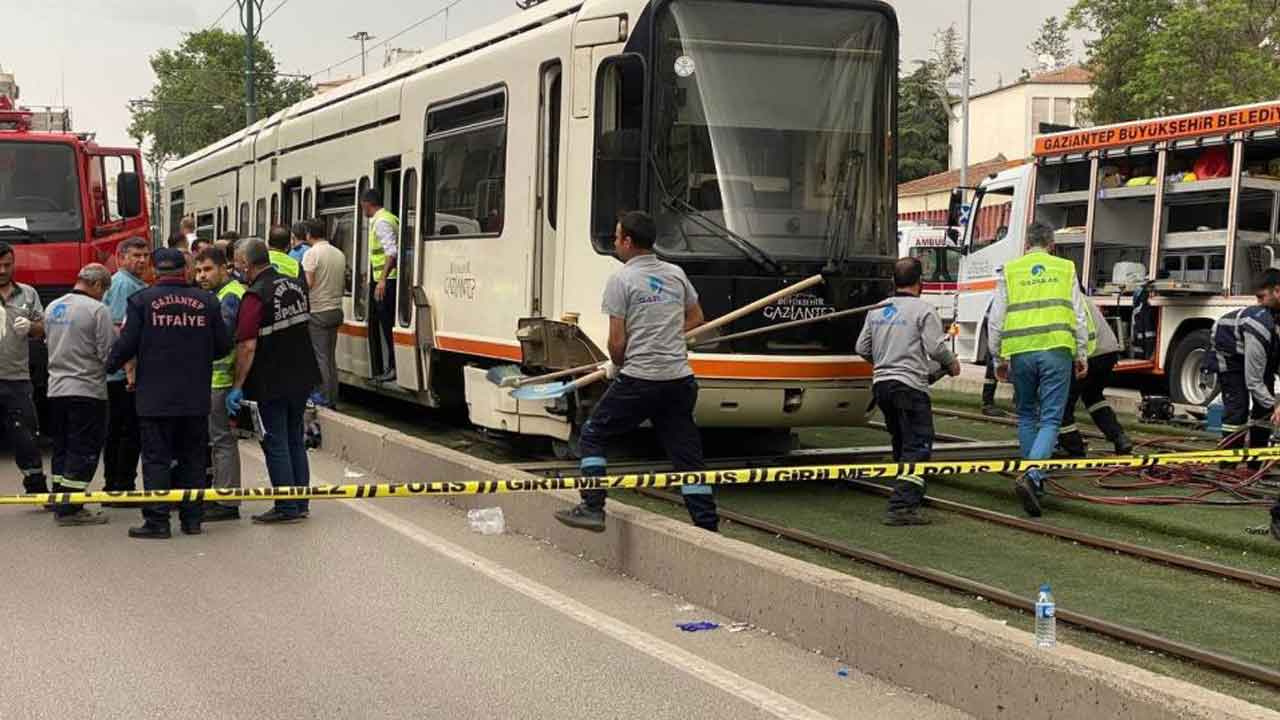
329 267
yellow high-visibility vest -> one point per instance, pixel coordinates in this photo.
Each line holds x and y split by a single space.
1040 314
378 256
223 367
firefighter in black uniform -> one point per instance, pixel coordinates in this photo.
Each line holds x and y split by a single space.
1245 353
174 331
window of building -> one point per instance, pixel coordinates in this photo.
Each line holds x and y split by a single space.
466 166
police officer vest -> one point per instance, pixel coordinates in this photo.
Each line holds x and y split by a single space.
223 367
378 256
284 264
1040 315
284 364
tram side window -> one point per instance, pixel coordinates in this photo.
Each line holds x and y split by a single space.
466 162
337 210
243 220
618 158
177 204
260 219
275 209
204 225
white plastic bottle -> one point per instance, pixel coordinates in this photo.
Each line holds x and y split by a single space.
486 521
1046 629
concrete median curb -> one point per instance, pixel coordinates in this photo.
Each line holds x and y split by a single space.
958 657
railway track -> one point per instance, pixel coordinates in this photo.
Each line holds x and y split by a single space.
1141 638
960 446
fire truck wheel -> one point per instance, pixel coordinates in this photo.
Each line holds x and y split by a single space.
1185 364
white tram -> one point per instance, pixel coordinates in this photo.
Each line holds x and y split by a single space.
760 134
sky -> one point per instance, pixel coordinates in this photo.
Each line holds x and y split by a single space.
92 54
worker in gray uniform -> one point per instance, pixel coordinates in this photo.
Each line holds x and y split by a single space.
905 343
1104 352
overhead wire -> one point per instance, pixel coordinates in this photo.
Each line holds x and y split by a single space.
225 10
384 41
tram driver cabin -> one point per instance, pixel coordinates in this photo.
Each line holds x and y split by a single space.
759 134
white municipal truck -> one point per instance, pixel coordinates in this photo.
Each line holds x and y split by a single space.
1168 221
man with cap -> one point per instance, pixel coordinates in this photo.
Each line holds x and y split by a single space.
174 332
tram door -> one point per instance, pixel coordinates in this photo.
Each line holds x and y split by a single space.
543 286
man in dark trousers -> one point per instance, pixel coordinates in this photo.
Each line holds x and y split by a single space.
276 367
121 452
174 331
651 305
1245 354
22 319
80 333
903 341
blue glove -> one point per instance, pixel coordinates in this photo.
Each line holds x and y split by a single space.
234 398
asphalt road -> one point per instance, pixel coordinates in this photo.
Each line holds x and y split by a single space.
376 609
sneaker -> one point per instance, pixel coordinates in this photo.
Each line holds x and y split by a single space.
582 517
907 516
275 517
147 531
993 411
214 512
81 517
1028 491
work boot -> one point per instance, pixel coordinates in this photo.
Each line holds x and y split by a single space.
149 531
1124 446
582 517
702 510
905 516
81 517
276 517
1072 444
192 528
214 512
1029 487
35 484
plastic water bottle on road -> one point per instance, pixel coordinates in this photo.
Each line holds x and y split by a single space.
1046 617
486 521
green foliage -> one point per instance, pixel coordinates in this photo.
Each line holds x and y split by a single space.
923 109
199 94
1051 44
1161 57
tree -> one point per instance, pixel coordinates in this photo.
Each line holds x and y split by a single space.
924 109
1051 50
199 93
1161 57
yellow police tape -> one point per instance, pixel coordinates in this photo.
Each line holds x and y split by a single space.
750 476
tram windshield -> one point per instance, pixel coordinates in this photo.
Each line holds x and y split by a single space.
772 124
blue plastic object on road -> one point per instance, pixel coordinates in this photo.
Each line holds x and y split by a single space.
697 626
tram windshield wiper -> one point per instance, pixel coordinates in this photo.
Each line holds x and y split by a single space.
750 250
23 232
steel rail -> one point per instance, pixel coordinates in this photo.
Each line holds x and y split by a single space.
1135 636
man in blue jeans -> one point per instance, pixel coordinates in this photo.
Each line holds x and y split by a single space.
276 367
1038 329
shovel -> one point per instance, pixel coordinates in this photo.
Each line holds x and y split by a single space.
549 391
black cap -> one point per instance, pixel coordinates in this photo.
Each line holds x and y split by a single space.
168 260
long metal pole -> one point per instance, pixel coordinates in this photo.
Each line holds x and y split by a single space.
250 91
964 95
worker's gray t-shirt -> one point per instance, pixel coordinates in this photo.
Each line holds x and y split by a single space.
80 333
14 348
651 296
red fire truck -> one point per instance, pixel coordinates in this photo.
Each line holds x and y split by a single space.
65 202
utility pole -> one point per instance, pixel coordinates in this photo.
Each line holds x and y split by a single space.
964 94
247 8
363 37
